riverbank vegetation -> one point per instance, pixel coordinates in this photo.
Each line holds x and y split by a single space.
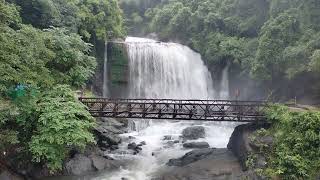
295 152
47 51
275 43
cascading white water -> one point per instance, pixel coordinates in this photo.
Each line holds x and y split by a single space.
105 92
224 86
164 70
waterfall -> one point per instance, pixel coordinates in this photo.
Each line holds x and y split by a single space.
166 70
163 70
224 86
105 91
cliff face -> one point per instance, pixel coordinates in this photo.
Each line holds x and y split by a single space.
116 69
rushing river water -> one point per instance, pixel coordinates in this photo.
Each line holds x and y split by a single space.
165 70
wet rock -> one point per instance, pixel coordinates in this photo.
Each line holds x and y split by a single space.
106 156
114 147
239 142
79 165
176 141
6 175
217 164
199 145
132 146
191 157
103 144
167 138
138 148
103 149
101 163
143 143
119 124
193 133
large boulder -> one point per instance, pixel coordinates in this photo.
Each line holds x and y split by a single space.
217 164
101 163
79 165
196 145
7 175
240 143
191 157
193 133
108 134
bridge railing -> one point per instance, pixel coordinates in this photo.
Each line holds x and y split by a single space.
209 110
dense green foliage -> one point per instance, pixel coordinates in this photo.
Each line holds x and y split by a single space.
44 55
275 42
90 18
296 150
69 127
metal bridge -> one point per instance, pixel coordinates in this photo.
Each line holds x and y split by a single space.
206 110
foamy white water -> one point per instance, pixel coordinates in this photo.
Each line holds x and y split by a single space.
164 70
224 86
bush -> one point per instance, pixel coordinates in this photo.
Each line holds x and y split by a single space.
63 124
296 152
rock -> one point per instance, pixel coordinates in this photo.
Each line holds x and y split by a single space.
103 144
103 149
194 132
132 137
132 146
112 139
176 141
111 122
6 175
261 142
199 145
167 138
143 143
82 165
191 157
106 156
114 147
218 164
101 163
239 142
79 165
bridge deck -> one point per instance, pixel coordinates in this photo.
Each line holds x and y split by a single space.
207 110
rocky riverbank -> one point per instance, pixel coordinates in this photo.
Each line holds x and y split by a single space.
202 162
93 159
215 163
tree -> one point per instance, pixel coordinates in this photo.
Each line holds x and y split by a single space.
63 123
277 34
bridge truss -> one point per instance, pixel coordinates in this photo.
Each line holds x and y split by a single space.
206 110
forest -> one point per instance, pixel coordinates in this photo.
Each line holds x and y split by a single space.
273 42
51 48
46 52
